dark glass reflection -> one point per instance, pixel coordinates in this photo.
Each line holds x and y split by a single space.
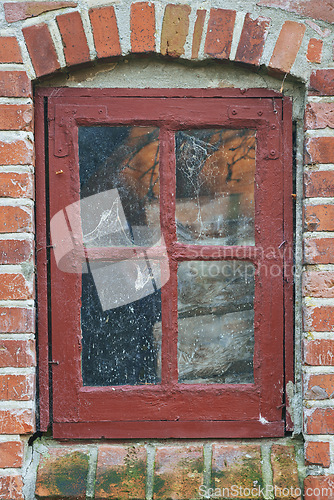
119 173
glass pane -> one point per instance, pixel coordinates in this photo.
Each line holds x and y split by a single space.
216 322
215 171
117 321
119 175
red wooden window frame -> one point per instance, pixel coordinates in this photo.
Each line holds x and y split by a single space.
168 409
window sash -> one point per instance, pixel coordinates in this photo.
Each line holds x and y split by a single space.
170 401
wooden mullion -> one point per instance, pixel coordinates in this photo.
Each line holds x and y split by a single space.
211 252
169 371
124 253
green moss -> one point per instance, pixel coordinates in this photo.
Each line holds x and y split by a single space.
112 476
245 472
159 484
130 478
70 474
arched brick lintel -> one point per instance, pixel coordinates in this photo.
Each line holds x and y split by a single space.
184 33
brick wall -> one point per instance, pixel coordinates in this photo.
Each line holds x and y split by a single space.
38 39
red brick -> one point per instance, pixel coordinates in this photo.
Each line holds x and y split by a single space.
317 453
285 469
16 117
319 319
236 465
16 422
41 49
11 454
178 472
175 29
74 39
121 472
16 388
105 31
18 11
287 46
252 39
319 352
15 251
62 473
15 219
15 287
16 153
319 217
314 50
198 31
318 284
322 82
319 183
315 9
142 27
16 185
320 421
17 353
320 386
319 115
319 488
320 150
17 320
15 84
11 487
319 251
219 33
9 50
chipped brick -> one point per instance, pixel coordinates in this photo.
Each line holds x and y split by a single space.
252 39
174 30
319 217
16 422
319 115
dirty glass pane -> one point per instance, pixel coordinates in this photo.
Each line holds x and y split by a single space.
216 322
119 176
118 315
215 170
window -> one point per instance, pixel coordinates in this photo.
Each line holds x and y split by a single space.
164 248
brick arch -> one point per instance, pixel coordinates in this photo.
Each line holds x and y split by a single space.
109 32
